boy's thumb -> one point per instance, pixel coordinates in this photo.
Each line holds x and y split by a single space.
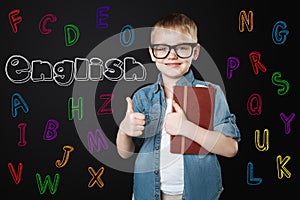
129 104
177 108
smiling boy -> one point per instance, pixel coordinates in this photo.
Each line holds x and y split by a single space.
149 122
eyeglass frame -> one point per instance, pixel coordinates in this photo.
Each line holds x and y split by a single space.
193 45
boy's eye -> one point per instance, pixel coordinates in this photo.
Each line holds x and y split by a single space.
161 48
183 48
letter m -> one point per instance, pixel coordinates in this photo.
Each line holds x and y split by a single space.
96 141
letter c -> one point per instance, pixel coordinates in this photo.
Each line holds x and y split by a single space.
44 20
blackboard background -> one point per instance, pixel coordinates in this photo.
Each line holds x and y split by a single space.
218 33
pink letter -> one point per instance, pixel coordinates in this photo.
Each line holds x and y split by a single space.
256 109
103 110
44 20
22 141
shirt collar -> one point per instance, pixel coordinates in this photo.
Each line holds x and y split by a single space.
187 79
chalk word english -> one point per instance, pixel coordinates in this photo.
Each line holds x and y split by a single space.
19 70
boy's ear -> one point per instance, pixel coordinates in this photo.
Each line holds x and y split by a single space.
196 52
150 52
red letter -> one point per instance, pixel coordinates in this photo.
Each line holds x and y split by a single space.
16 177
13 20
255 61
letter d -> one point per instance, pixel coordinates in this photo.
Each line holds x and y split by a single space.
68 38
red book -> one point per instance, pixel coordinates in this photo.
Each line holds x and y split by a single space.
198 105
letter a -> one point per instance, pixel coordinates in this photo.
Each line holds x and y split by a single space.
17 102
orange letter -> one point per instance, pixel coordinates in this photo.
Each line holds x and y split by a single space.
96 177
67 150
244 19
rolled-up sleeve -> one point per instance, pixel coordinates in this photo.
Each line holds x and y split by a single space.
224 120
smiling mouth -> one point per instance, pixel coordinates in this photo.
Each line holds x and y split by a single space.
172 65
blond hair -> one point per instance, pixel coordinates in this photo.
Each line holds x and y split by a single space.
178 21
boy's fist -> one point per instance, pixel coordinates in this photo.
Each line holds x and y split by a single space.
133 122
175 121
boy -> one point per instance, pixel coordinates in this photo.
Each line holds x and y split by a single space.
149 123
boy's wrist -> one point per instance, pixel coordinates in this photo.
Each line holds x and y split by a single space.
189 129
123 133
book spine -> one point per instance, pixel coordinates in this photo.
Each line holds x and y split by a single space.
184 109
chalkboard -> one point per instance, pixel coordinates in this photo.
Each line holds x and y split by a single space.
61 107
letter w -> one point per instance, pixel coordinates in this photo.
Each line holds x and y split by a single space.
52 186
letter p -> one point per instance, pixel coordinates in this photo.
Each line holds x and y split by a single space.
232 64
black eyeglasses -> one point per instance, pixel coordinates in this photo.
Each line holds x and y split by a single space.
183 50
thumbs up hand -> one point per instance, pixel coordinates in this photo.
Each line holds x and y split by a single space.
175 121
133 122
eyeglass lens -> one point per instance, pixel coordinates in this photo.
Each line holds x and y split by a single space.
182 50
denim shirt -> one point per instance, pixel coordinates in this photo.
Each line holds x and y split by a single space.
202 173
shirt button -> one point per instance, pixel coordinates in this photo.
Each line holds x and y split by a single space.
156 196
156 172
156 147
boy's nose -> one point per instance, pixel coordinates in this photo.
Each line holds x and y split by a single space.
172 54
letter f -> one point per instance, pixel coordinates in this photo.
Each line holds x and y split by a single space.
14 20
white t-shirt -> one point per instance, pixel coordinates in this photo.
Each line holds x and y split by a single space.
171 165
